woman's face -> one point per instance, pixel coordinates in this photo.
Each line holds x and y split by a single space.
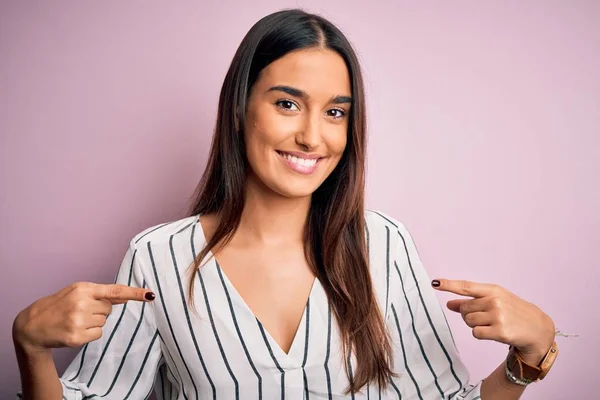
297 121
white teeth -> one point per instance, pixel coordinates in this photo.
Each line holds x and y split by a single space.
305 162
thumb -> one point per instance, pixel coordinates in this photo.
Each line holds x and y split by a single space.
119 294
454 305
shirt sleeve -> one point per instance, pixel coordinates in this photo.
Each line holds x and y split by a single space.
425 356
123 363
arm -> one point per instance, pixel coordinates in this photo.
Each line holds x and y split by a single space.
427 359
39 377
493 313
497 386
120 362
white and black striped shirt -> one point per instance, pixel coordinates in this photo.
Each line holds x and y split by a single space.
225 353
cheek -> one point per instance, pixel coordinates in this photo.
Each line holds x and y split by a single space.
265 129
337 141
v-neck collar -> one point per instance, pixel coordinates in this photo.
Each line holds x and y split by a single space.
297 347
295 355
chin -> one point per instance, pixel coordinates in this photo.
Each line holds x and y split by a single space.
294 191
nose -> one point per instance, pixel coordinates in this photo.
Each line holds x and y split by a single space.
309 136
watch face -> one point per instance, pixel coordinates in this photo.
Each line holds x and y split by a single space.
548 361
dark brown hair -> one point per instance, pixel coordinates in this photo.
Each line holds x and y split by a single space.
334 237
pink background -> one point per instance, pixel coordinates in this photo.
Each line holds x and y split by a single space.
484 141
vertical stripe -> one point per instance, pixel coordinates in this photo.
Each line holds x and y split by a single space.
168 355
387 266
450 330
172 392
387 270
423 302
306 392
153 230
164 307
268 373
350 373
368 238
137 378
149 393
84 351
387 219
396 388
262 331
72 388
112 333
412 318
329 393
116 327
80 362
162 382
428 315
404 352
239 333
216 334
137 327
187 316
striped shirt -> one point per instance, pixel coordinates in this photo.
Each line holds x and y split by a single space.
223 352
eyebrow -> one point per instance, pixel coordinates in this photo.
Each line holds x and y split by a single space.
303 95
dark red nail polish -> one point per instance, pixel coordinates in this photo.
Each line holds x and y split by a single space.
435 283
149 296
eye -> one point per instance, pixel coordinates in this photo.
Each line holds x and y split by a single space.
336 113
287 105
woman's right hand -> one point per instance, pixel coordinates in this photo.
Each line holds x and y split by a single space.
71 317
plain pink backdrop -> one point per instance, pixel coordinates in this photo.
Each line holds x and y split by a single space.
484 140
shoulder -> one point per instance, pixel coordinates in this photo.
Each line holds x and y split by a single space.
164 232
379 221
386 232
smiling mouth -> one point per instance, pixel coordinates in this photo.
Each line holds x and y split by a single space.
299 164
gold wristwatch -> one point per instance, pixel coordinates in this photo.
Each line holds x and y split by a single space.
521 373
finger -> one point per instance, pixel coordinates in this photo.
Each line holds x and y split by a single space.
115 302
466 306
89 335
101 307
464 288
455 304
96 321
117 294
80 286
479 318
484 333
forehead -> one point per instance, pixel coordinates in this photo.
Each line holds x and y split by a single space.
318 72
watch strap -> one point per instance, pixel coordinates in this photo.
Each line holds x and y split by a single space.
519 372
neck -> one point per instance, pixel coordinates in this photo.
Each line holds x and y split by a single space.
269 218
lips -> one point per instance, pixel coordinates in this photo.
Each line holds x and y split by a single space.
301 163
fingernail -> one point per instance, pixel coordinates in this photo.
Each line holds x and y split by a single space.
435 283
149 296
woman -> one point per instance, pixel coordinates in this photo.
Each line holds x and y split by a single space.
293 291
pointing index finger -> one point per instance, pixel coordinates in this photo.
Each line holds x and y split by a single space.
117 293
463 288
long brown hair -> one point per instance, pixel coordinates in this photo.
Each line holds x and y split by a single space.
334 237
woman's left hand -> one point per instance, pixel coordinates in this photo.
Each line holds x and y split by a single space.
496 314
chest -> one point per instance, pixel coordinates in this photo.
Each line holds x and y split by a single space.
273 284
